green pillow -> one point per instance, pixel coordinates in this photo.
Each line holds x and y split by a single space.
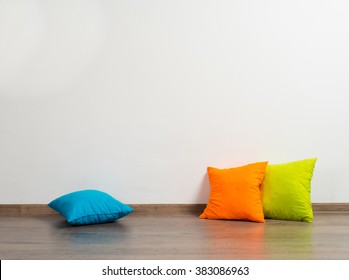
286 191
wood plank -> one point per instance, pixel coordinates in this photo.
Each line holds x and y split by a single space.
11 210
181 236
332 207
145 209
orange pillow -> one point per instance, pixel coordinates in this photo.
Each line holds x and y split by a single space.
235 193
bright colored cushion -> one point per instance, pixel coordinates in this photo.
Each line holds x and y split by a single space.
89 207
286 191
235 193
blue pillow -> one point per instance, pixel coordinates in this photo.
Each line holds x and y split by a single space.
89 207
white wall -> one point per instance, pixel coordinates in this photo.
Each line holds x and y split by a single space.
138 97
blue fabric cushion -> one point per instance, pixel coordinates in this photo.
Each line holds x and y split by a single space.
89 207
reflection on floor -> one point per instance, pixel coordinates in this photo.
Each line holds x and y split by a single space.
179 236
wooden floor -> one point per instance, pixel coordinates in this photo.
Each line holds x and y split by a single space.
179 236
